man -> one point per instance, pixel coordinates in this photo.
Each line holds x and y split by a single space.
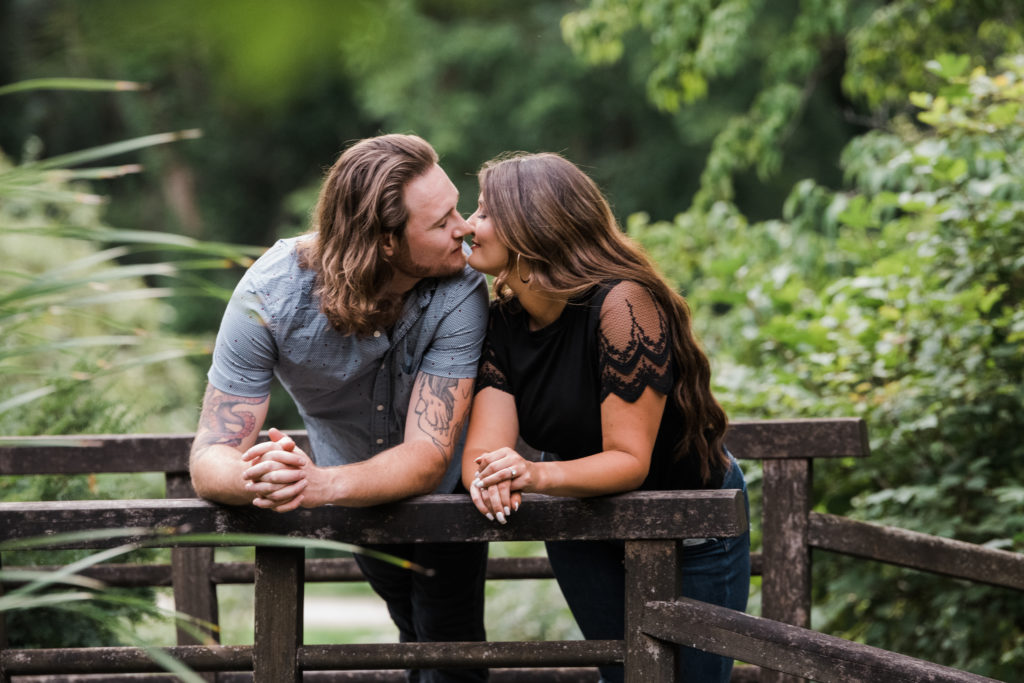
373 323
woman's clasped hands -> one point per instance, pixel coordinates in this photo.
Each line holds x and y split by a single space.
501 477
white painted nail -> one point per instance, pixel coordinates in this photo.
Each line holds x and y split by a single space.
501 518
490 516
507 511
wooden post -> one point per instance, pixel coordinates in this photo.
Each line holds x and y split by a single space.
278 583
652 573
195 594
4 678
786 584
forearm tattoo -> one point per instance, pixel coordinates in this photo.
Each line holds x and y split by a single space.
224 420
435 411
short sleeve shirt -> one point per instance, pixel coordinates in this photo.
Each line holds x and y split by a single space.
351 391
611 340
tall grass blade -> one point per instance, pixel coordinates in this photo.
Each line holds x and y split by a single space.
93 153
71 84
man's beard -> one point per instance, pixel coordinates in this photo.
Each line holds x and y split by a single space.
405 262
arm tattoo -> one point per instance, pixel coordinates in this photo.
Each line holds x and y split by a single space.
435 410
222 421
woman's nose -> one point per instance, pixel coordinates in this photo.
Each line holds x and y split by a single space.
462 227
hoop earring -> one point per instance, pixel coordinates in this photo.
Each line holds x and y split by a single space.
518 273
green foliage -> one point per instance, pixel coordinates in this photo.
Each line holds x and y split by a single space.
902 34
779 53
72 310
897 300
784 54
81 334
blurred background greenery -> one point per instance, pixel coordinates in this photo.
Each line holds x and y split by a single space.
837 186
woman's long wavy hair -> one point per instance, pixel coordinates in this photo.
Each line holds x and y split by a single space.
361 201
551 215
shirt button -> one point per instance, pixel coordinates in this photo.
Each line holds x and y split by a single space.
380 407
380 441
376 333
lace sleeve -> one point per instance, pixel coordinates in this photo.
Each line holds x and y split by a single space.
490 373
633 344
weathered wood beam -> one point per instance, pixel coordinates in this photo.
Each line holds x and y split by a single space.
87 453
318 570
546 675
652 573
789 649
112 660
436 518
810 438
905 548
551 653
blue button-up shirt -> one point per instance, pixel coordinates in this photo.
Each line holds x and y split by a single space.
351 391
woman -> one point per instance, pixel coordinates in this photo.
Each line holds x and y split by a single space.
590 358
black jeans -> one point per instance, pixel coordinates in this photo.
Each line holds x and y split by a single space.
448 606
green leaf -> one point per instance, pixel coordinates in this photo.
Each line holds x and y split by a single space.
70 84
949 66
857 213
93 153
922 100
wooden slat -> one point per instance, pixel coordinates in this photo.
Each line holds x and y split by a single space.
112 660
318 570
552 653
789 649
786 584
194 593
652 573
915 550
436 518
278 615
87 453
84 454
547 675
100 660
810 438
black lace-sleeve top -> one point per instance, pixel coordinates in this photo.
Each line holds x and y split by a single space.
612 340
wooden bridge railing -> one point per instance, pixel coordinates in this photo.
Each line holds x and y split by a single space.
649 522
790 532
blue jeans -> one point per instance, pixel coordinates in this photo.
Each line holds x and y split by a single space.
591 575
448 606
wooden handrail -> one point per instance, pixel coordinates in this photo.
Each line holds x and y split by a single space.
88 453
904 548
426 519
788 649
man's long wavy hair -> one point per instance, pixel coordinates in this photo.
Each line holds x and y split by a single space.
361 201
553 217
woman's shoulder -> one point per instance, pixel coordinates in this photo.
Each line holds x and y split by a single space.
613 295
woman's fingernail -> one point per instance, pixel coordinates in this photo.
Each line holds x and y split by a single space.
507 511
490 516
477 483
501 518
515 506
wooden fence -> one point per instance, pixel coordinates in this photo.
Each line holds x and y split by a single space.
779 643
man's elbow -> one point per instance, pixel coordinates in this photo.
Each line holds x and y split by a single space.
206 486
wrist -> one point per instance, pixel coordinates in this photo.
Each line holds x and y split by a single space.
545 477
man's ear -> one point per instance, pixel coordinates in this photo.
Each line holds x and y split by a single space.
388 242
